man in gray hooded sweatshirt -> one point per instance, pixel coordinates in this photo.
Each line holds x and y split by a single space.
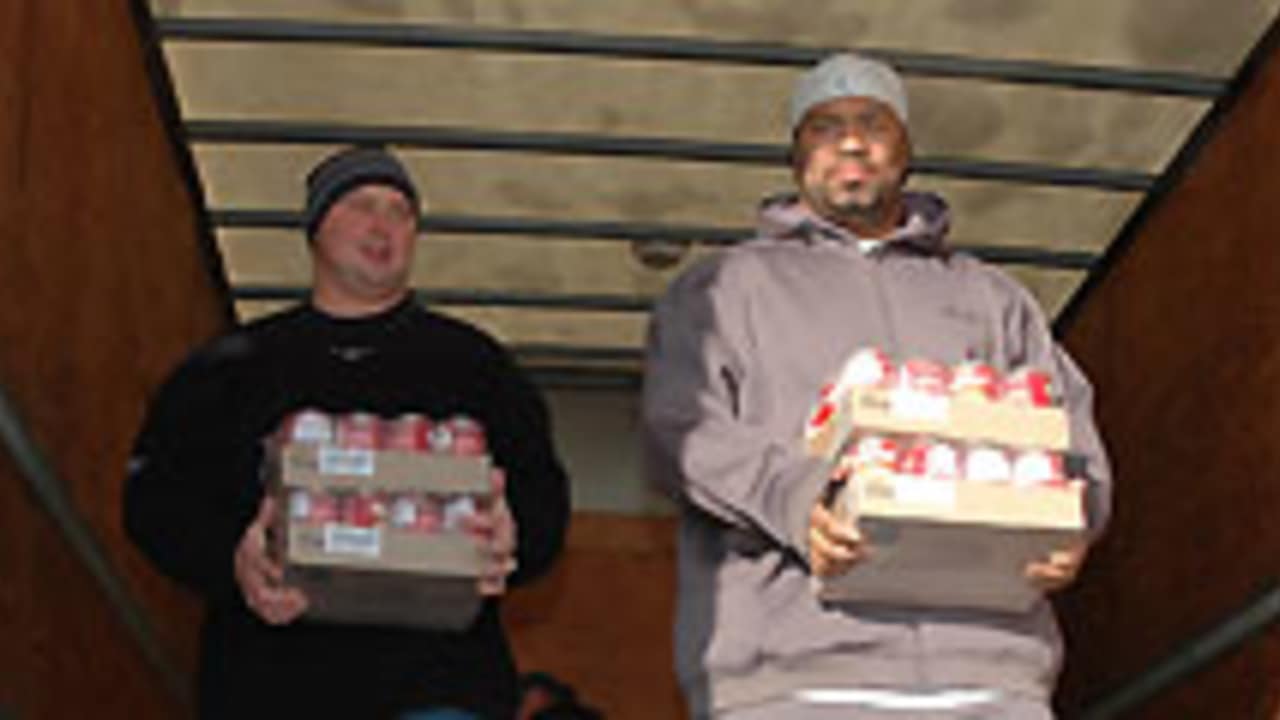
739 348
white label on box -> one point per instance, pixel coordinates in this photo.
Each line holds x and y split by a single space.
342 539
916 491
910 404
346 461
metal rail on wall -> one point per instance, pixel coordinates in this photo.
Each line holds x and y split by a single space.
1199 652
619 230
475 298
275 132
680 49
50 493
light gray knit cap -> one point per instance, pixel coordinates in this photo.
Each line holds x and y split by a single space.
848 75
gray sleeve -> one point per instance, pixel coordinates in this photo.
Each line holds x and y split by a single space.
701 446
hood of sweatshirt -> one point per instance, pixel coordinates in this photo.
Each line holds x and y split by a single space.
924 229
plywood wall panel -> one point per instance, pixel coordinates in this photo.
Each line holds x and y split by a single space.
1182 337
105 285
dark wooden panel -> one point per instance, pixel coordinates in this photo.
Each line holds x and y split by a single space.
104 288
1244 687
602 620
64 652
1182 338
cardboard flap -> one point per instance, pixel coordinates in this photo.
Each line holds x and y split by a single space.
970 503
314 466
335 546
965 419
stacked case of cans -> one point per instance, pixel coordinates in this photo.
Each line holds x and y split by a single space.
373 514
956 475
416 512
927 389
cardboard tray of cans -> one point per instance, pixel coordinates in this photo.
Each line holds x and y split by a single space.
371 515
951 541
969 403
957 480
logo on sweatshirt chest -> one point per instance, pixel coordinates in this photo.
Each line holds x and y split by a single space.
351 353
952 333
963 314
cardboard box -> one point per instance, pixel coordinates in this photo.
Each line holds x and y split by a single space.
381 574
938 543
965 419
948 543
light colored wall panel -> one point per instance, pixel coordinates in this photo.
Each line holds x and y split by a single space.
598 438
528 326
507 263
651 191
1052 288
1208 37
716 102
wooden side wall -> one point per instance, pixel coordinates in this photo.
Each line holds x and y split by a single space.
1182 339
104 286
602 621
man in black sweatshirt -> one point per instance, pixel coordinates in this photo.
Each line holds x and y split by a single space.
194 501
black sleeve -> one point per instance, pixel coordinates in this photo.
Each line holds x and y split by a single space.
191 487
537 487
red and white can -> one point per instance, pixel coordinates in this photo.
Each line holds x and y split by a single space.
1028 387
871 456
410 432
925 377
308 426
929 459
975 380
440 438
941 462
300 505
417 513
455 511
822 412
1038 467
983 463
430 517
868 368
312 507
468 436
912 461
363 510
325 507
359 431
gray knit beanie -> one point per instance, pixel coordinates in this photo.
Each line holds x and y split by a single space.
848 75
348 169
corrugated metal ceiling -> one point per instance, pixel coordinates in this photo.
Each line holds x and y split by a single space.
963 121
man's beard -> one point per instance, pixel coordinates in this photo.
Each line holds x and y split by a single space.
867 204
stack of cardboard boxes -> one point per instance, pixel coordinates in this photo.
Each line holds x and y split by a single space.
373 515
956 477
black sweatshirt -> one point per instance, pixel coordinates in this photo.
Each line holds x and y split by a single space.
193 487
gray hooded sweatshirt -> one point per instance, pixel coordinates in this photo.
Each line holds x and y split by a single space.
738 349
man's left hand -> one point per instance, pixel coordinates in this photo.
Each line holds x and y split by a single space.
495 528
1058 569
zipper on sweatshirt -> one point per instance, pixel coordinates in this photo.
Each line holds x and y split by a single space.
875 260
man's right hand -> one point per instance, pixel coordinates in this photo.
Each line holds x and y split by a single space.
835 544
261 579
